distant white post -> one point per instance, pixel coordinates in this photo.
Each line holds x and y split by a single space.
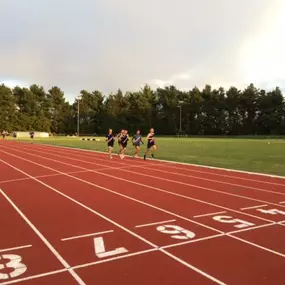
180 121
78 120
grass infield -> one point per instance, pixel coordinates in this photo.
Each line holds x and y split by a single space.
264 155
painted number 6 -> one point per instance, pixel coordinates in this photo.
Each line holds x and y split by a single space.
14 263
176 232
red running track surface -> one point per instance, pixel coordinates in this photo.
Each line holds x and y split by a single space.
70 216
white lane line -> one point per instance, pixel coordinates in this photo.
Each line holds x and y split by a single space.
193 267
282 202
254 207
103 188
258 246
111 191
115 258
15 248
119 226
152 224
210 214
44 240
87 235
32 277
151 176
170 163
192 241
14 180
252 228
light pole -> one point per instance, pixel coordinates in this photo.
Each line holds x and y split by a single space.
180 121
78 99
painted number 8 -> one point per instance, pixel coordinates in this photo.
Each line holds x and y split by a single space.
14 263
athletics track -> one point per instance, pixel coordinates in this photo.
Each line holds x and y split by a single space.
70 216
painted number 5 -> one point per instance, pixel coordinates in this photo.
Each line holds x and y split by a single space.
14 262
176 232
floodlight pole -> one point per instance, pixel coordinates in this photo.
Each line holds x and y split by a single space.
180 121
78 120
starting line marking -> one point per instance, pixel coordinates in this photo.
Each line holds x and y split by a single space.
87 235
254 207
15 248
43 239
210 214
152 224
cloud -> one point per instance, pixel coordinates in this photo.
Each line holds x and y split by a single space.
114 44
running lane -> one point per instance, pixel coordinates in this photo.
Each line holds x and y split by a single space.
251 196
71 227
159 198
23 253
194 173
202 171
210 264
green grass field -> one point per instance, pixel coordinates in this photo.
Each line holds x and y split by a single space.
257 155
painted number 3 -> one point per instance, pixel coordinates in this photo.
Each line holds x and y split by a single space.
11 261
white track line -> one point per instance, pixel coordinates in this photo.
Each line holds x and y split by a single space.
217 181
114 192
156 223
87 235
49 175
282 202
258 246
164 162
147 203
224 175
251 228
115 258
192 241
44 240
121 227
253 207
151 176
103 188
14 180
32 277
15 248
196 177
210 214
143 185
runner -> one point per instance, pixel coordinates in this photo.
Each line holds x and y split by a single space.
110 142
151 146
137 141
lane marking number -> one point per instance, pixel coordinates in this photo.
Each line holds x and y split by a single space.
230 220
271 211
176 232
14 263
101 252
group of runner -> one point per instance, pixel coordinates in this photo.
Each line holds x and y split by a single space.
123 138
5 134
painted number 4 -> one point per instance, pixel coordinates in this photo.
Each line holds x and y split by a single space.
11 261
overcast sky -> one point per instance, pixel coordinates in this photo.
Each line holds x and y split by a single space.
111 44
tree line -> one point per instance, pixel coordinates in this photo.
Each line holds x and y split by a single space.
204 111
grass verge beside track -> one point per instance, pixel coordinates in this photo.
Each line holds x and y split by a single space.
256 155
